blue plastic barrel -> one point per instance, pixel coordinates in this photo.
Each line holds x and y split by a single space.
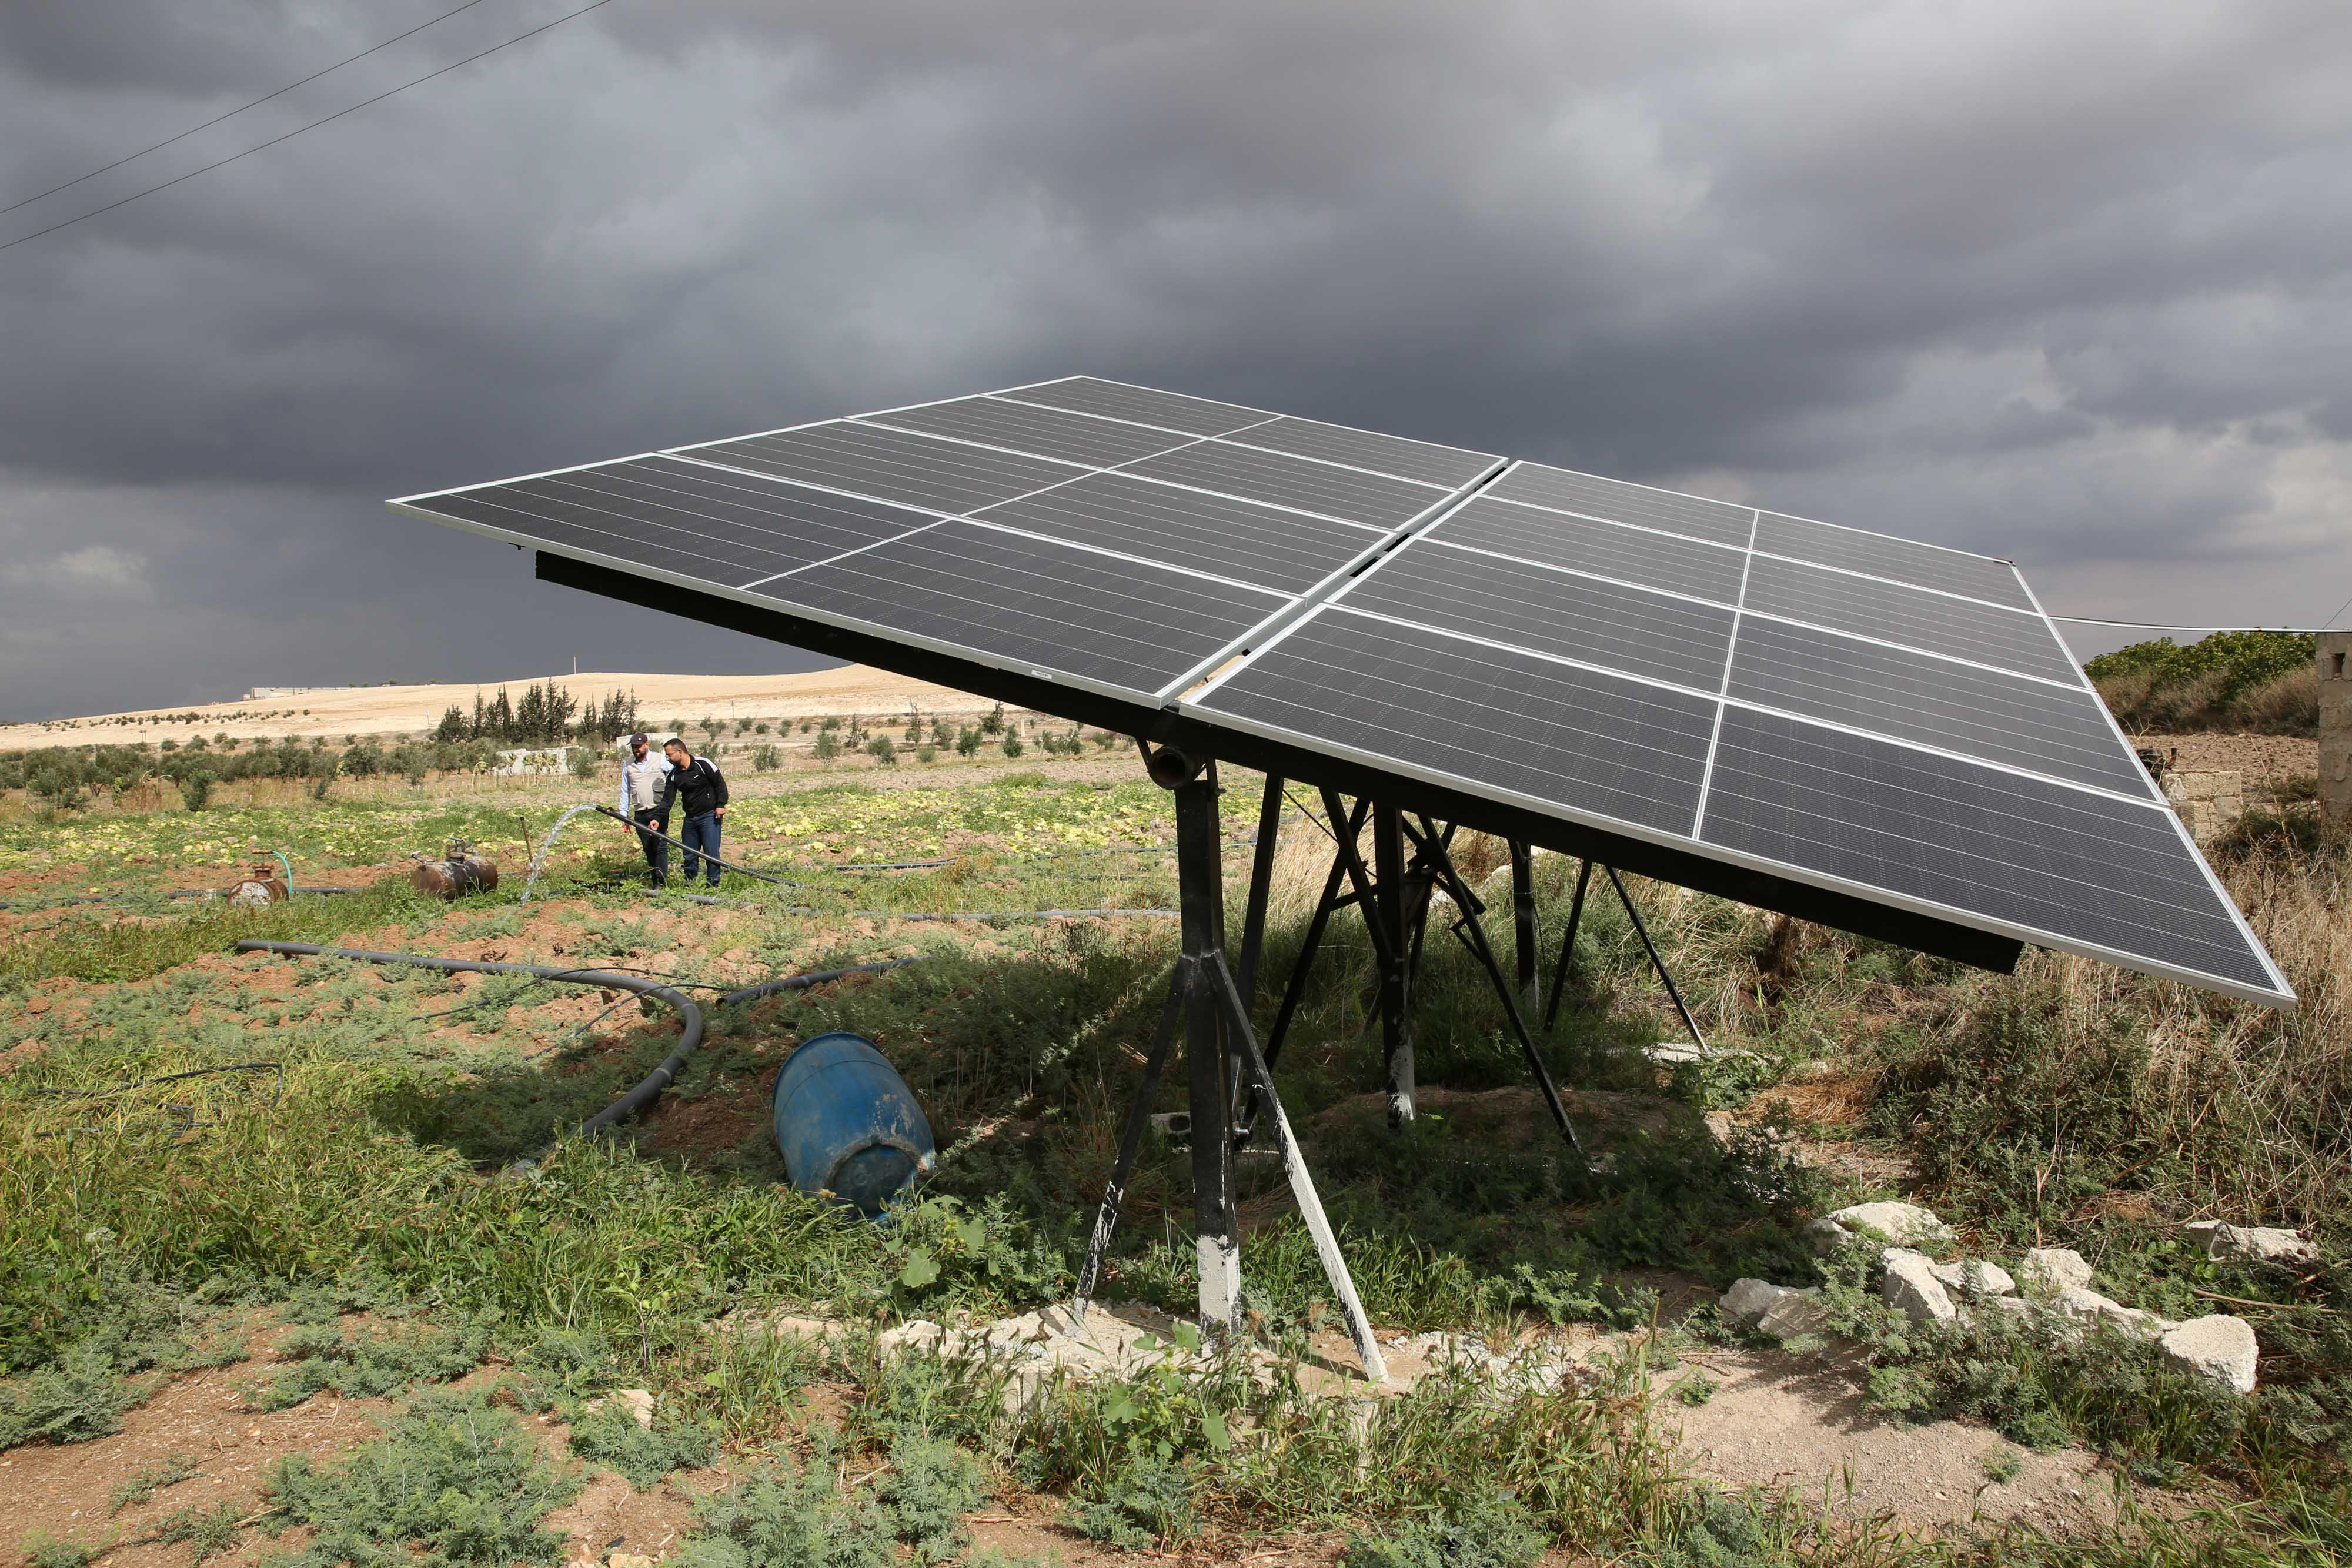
847 1123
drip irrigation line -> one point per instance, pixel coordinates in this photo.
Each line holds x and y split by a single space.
277 1094
276 1066
714 860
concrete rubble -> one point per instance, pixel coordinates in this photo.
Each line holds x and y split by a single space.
1783 1311
2089 1309
2258 1243
1974 1278
2048 1270
2220 1347
1912 1288
1902 1224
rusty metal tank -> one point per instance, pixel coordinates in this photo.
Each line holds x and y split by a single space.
458 872
264 886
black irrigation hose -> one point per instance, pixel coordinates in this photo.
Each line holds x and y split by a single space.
689 1036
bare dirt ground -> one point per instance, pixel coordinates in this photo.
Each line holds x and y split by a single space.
404 709
1777 1420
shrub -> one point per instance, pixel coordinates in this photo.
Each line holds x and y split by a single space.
883 751
1142 1504
932 1485
1485 1529
781 1516
767 758
197 787
1012 747
455 1475
75 1400
612 1436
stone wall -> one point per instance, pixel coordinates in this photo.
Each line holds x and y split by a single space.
2335 725
2209 799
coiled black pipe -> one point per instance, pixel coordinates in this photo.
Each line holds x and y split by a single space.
689 1036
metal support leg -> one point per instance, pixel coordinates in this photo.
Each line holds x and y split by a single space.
1200 881
1523 921
1473 936
1655 962
1293 1165
1261 887
1568 943
1388 912
1138 1116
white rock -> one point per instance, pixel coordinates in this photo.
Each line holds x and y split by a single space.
2262 1243
1912 1289
2048 1270
1779 1310
1904 1224
637 1402
2090 1309
1974 1278
2220 1347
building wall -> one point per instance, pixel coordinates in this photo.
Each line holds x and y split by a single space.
2335 725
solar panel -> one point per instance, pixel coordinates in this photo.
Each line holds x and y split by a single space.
1640 556
1433 465
1911 617
1244 540
1806 705
1119 625
1901 561
1679 641
1025 427
1350 495
888 465
1117 400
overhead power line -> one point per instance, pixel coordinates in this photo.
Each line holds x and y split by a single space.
2166 626
314 125
233 113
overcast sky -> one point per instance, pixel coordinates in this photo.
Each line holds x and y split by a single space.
2070 284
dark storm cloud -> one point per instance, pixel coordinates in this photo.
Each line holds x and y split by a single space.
2066 284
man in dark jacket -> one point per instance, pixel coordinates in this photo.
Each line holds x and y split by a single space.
698 785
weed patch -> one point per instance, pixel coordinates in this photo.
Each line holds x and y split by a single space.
455 1482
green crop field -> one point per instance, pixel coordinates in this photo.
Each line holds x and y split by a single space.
338 1216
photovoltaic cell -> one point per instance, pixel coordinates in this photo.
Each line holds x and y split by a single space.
679 517
1578 739
1115 399
1910 616
1216 534
1286 481
1128 625
1881 555
1615 501
1628 628
1895 691
2081 866
1605 550
887 465
1446 466
1025 427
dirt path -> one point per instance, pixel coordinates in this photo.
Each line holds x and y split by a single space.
1779 1420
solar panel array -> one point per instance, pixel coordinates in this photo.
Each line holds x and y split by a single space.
1847 709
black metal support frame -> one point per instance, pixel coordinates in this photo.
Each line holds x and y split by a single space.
1221 1049
1640 929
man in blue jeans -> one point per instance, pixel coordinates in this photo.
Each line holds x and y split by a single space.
701 789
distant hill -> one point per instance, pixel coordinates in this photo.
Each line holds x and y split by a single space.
398 710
